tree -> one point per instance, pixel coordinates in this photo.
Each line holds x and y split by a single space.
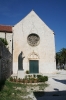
4 41
61 56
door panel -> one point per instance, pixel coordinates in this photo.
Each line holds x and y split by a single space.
33 66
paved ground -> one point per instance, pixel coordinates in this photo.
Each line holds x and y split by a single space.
57 82
56 89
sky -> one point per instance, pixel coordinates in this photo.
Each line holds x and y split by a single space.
52 12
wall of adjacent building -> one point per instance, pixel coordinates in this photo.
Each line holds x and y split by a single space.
9 37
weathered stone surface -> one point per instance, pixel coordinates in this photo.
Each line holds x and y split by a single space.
5 62
45 51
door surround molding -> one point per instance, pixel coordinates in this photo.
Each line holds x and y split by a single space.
33 56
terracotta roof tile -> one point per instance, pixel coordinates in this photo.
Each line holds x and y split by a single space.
4 28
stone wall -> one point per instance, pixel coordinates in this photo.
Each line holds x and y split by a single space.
5 62
45 51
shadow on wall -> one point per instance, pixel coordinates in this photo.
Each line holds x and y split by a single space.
41 95
2 83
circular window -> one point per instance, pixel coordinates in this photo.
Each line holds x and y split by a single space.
33 39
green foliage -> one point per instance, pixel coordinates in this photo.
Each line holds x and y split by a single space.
38 76
11 78
4 41
34 76
46 78
19 80
27 71
30 79
14 79
42 78
15 90
29 76
61 56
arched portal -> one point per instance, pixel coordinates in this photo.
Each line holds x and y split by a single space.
33 63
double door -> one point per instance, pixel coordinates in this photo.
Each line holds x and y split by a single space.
33 66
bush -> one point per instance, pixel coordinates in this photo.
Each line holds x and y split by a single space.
27 71
14 80
19 80
42 78
23 80
4 41
29 76
34 76
38 76
46 78
32 80
11 78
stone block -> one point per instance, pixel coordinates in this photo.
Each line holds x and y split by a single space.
21 74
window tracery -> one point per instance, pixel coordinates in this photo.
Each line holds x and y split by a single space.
33 39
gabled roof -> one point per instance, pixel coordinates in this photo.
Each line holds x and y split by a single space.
32 16
4 28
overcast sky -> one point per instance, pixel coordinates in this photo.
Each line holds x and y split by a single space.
52 12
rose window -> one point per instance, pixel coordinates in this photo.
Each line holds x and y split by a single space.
33 39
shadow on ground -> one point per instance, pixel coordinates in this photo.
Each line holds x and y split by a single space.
40 94
61 81
2 83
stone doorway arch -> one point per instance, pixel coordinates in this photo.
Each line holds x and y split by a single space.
33 63
33 56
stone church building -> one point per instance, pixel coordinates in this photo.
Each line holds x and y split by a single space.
33 41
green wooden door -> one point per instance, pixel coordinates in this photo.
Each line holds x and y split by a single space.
33 66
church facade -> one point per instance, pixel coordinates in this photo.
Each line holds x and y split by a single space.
34 40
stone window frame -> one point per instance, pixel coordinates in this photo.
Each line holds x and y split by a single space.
33 39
